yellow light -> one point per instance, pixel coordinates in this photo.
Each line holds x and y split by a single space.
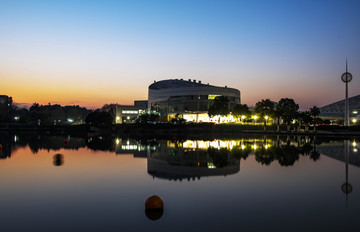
243 117
354 144
255 117
266 146
266 117
255 146
243 146
117 141
354 120
117 118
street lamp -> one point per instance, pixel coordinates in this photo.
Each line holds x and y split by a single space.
266 118
255 117
242 118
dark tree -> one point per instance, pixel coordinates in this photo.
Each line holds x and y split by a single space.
219 107
240 110
314 111
265 108
287 109
99 118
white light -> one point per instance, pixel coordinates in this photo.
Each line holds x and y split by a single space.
243 146
117 118
354 120
355 112
117 141
70 120
128 117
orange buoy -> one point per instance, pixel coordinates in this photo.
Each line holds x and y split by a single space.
154 202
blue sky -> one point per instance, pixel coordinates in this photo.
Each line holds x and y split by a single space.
96 52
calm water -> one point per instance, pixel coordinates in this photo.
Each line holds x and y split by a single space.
248 184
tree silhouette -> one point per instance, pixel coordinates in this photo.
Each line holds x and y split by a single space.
287 109
265 108
219 107
240 110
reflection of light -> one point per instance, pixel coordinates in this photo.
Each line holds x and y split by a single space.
355 150
211 165
255 146
15 138
243 146
129 147
354 144
266 146
117 141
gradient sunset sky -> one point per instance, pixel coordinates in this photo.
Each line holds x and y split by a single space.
90 53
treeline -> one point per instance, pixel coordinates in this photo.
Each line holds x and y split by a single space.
49 114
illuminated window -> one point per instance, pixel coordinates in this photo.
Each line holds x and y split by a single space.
130 112
212 97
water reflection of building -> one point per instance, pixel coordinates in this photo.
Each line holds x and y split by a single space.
132 146
177 161
336 151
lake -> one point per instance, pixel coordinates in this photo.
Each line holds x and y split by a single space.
252 183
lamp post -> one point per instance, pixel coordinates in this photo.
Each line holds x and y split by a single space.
242 118
346 77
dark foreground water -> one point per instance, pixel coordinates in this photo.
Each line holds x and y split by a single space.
248 184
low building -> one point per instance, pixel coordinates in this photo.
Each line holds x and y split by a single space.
129 113
190 98
335 112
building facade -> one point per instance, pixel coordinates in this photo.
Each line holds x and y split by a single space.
129 113
335 112
178 96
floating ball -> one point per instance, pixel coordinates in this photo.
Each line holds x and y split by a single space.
154 202
154 214
58 159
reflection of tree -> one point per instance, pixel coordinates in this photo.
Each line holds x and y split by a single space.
264 156
288 156
101 144
240 153
219 157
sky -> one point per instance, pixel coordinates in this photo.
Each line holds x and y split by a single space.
91 53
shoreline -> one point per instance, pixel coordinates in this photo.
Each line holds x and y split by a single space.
176 130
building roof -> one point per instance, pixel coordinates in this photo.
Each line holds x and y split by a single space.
339 107
176 83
